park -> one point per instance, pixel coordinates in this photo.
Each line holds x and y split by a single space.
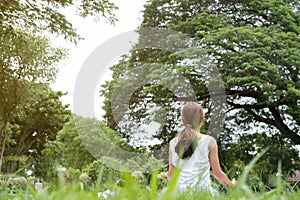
236 62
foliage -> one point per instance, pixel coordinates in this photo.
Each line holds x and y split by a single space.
86 138
17 183
111 169
35 122
26 62
48 15
236 154
84 178
253 44
73 175
27 58
70 147
11 183
132 189
74 153
50 158
107 173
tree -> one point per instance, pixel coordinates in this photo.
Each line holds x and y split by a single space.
85 139
235 155
254 45
24 60
26 56
74 153
44 164
47 15
35 122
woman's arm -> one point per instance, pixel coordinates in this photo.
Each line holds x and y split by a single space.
215 165
171 167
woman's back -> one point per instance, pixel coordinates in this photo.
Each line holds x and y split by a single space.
194 170
196 157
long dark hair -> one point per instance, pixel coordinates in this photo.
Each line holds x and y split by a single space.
192 116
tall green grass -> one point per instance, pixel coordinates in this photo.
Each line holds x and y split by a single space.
131 189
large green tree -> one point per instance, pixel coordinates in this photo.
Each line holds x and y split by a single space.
25 59
35 122
27 56
254 45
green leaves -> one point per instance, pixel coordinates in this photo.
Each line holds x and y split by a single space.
35 121
28 63
256 47
47 15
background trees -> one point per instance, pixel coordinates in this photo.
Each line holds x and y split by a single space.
253 44
28 64
25 59
34 123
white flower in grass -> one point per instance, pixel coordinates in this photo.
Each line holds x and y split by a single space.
84 177
162 175
137 174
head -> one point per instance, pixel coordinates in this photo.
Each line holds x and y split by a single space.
192 116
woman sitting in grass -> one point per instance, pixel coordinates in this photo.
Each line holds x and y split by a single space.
194 153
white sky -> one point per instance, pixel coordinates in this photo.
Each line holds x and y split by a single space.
129 17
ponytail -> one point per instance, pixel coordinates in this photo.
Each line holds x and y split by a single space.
186 142
192 117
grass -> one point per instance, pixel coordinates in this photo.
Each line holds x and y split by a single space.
132 189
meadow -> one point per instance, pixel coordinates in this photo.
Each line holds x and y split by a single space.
132 187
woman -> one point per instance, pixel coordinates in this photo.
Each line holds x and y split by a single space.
194 153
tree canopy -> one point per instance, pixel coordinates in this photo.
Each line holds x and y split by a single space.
48 15
26 59
34 122
28 63
253 44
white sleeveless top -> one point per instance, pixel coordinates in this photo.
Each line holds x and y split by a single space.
195 170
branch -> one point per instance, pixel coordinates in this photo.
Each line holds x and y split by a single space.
245 93
277 122
29 146
249 109
283 127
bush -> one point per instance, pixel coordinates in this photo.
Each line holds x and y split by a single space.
99 168
17 183
73 174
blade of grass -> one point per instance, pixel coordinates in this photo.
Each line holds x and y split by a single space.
153 185
242 186
21 169
99 178
243 177
132 189
278 178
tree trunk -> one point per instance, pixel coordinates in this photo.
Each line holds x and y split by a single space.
3 130
13 166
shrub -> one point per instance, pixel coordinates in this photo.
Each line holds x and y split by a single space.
98 168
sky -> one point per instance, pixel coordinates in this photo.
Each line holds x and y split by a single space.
129 17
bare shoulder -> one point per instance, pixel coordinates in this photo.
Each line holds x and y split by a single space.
212 142
210 138
173 141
